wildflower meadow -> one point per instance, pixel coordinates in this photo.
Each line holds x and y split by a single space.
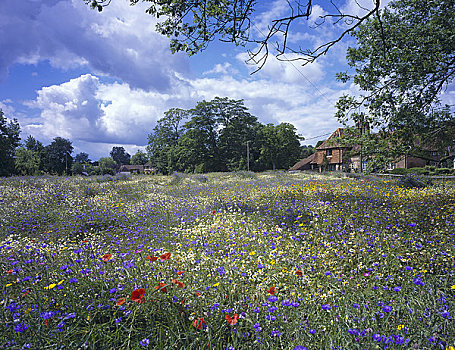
226 261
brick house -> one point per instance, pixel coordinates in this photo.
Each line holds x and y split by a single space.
330 156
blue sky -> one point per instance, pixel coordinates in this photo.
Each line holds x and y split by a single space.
104 79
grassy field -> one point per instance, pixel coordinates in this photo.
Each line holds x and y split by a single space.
226 261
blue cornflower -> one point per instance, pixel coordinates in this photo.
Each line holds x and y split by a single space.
326 307
396 289
356 306
312 331
272 298
446 314
257 327
387 308
257 309
377 337
270 317
20 327
300 347
144 342
286 302
273 309
275 333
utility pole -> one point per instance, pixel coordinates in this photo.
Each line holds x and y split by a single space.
248 155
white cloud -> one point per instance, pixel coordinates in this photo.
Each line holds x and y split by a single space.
120 42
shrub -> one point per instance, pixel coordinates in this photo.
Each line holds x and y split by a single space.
442 171
413 181
399 171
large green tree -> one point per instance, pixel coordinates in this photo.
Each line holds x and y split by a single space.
9 140
192 25
120 156
162 142
403 61
198 149
139 158
27 161
279 146
58 159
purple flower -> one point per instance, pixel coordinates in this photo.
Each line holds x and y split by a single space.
446 314
272 298
377 337
144 342
418 281
396 289
275 333
20 327
257 327
257 309
387 308
286 302
326 307
270 318
353 331
356 306
300 347
312 331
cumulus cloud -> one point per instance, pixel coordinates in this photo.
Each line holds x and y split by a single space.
120 42
96 115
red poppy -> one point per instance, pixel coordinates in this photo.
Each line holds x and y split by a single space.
272 290
214 212
179 273
106 257
178 283
232 320
162 286
165 256
152 258
198 294
84 241
120 302
198 322
137 295
9 271
299 273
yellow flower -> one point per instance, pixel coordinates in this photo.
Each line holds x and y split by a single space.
401 326
453 287
216 284
252 253
50 286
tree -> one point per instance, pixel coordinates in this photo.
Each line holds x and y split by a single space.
279 145
236 127
139 158
107 165
27 161
192 25
120 156
58 159
32 144
404 59
9 140
198 149
81 158
162 142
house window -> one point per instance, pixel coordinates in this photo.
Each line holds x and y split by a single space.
328 153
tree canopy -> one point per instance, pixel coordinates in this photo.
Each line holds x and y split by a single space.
220 135
9 140
404 60
192 25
